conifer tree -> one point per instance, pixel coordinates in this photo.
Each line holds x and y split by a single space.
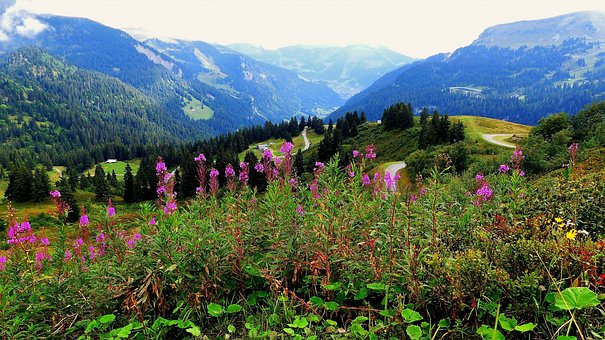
299 163
40 185
101 187
128 185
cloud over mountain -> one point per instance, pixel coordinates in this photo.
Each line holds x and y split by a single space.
15 21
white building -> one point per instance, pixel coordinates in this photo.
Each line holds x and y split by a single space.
111 160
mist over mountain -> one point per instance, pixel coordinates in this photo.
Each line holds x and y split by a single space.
347 70
520 72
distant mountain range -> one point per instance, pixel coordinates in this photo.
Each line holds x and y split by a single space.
347 70
519 72
220 89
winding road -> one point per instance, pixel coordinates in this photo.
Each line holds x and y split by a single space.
394 168
307 142
490 139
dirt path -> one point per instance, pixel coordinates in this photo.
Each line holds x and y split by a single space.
490 139
394 168
307 143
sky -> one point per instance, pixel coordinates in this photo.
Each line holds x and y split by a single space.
418 28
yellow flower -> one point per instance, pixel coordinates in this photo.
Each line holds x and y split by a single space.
571 234
558 220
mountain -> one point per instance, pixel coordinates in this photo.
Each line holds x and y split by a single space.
212 106
274 93
347 70
51 111
519 72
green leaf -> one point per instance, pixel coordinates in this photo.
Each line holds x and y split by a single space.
444 323
312 337
233 308
316 301
289 331
565 337
360 319
576 297
331 322
215 309
388 313
413 331
507 323
488 333
91 325
410 315
526 327
299 323
377 286
194 330
171 268
231 329
124 332
361 294
331 305
333 286
105 319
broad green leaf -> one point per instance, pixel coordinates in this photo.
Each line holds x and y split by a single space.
410 315
333 286
444 323
565 337
316 300
507 323
389 313
289 331
301 323
91 325
360 319
331 322
231 329
124 332
526 327
377 286
215 309
331 305
488 333
414 332
105 319
194 330
576 298
233 308
361 294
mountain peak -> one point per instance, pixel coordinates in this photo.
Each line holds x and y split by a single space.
589 25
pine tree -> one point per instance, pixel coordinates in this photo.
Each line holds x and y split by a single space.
40 185
257 180
128 185
363 119
299 163
68 196
19 184
101 187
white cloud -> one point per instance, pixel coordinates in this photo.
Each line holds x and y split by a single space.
415 27
14 20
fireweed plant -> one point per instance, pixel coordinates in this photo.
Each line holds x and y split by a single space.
350 254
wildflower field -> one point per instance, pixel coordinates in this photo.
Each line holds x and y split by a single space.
349 255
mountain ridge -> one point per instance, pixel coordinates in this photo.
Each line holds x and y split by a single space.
346 69
516 83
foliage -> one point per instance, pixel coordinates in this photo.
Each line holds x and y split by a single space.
347 256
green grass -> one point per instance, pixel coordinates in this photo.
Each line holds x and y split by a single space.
275 144
475 127
119 167
390 145
197 110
